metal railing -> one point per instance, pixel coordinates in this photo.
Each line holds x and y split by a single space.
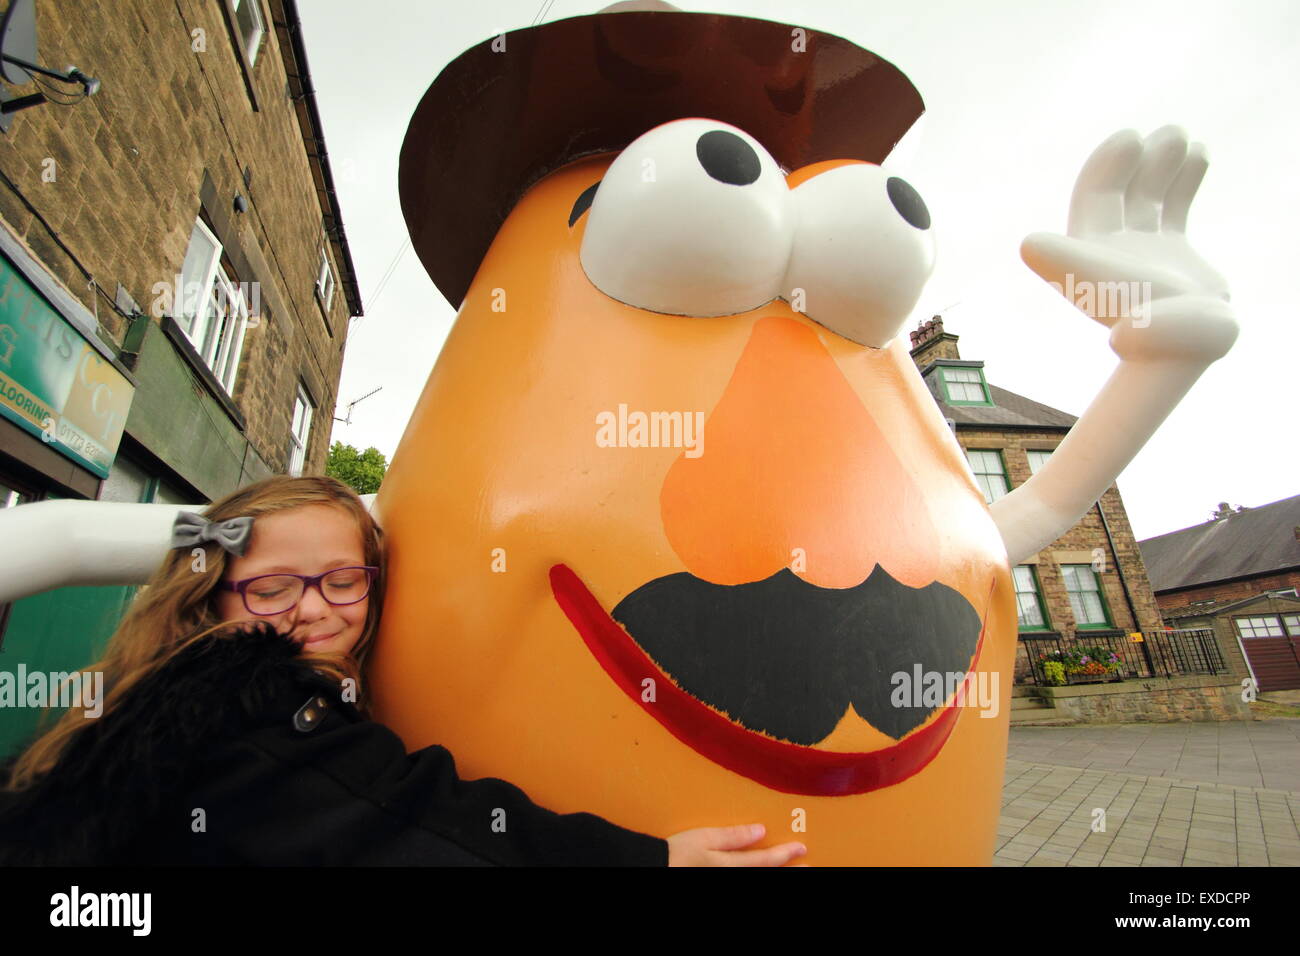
1160 654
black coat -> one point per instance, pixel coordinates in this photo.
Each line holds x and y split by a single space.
238 752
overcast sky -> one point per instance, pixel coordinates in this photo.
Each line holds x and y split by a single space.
1018 92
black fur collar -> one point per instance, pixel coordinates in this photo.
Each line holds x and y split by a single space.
117 773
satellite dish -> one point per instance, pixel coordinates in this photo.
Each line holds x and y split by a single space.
18 39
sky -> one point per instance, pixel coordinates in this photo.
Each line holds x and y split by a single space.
1017 93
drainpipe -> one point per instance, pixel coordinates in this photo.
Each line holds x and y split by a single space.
1123 583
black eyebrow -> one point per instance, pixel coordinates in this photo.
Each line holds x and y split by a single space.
583 203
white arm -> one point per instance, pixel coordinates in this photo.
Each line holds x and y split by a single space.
74 542
1126 263
1120 420
71 542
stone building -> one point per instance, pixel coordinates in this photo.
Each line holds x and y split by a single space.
177 284
1088 588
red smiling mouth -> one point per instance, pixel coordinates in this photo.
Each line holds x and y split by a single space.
776 764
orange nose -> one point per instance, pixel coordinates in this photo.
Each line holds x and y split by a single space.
789 431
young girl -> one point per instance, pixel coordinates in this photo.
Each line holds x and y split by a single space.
235 728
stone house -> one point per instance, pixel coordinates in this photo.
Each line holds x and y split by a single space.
176 283
1089 588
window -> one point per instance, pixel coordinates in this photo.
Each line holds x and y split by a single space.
127 481
1037 459
989 473
1292 622
299 432
1086 599
132 482
325 281
1029 601
213 312
12 494
965 386
248 15
1258 626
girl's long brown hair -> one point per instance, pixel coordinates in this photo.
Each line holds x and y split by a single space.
178 608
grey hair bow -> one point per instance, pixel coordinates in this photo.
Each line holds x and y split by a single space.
192 529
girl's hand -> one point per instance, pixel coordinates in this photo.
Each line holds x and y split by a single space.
721 846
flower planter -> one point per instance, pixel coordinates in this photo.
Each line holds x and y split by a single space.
1093 678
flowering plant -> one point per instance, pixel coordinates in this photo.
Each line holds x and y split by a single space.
1081 661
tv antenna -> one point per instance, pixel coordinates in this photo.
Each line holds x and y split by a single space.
348 420
18 63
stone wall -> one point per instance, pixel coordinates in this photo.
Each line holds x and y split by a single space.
1151 701
1084 543
182 125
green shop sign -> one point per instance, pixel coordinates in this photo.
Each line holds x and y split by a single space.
54 383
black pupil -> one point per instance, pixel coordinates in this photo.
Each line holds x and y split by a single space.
908 202
727 158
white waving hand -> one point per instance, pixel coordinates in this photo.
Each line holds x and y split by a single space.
1125 245
70 542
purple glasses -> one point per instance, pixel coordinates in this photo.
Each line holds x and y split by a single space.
269 594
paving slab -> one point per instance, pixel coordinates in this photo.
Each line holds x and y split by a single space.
1190 794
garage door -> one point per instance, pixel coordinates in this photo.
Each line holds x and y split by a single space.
1272 645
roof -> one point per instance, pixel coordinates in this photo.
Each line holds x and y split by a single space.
303 95
1008 410
1212 608
1254 541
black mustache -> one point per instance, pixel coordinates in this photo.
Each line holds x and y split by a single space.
787 658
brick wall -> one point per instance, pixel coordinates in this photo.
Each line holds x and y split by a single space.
129 166
1081 544
1230 590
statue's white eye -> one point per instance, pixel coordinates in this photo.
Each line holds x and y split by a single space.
863 252
692 218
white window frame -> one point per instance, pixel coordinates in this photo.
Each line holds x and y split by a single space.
250 34
1087 603
299 431
325 280
983 478
1028 599
216 319
1037 457
963 383
1262 625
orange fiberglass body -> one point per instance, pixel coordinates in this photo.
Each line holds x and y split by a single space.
582 603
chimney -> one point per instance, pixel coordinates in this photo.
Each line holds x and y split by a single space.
1225 511
927 330
930 342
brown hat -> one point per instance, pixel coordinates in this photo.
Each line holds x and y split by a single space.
511 110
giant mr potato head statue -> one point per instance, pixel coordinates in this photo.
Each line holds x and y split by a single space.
678 535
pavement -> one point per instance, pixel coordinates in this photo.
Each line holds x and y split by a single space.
1223 793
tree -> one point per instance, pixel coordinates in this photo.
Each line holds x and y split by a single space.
361 471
